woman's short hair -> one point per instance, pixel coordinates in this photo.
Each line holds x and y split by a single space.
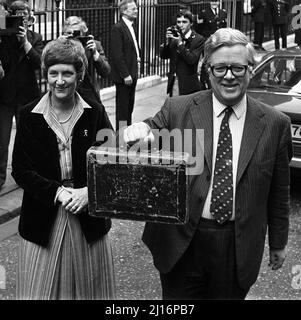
75 21
65 51
228 37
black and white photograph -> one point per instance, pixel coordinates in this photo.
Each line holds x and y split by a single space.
150 153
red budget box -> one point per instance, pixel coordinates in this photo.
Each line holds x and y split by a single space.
143 186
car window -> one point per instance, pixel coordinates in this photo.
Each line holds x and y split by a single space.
279 72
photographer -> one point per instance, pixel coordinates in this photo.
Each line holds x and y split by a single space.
183 47
76 28
20 54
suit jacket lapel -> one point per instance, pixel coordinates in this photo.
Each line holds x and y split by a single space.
202 113
251 135
127 31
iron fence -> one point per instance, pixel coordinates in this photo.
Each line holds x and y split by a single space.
154 16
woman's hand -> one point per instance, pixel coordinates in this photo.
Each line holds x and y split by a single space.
79 200
64 197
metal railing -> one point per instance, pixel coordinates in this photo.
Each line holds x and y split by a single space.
154 16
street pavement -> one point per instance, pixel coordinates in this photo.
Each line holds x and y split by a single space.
136 277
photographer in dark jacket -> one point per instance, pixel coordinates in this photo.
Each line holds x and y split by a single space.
183 46
20 57
76 27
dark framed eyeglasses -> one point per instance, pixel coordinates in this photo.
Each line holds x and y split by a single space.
237 70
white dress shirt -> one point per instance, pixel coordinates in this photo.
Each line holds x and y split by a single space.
236 124
129 24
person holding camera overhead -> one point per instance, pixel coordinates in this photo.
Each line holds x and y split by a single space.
183 46
75 27
20 55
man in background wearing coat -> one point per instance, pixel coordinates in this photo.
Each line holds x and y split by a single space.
258 17
20 55
242 191
279 10
183 46
211 19
208 21
125 55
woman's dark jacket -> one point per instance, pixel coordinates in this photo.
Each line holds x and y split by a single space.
36 169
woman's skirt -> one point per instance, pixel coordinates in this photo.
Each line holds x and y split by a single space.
69 268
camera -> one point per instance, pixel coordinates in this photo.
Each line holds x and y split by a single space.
83 39
175 31
9 25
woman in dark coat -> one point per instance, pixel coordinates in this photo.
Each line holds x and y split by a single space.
64 253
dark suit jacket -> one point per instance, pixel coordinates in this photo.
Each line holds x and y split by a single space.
184 61
211 22
19 84
279 10
36 169
123 56
262 189
258 10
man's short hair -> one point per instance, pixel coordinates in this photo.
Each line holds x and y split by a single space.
186 14
123 5
228 37
19 5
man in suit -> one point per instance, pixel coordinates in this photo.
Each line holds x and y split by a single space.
242 189
211 19
208 21
258 16
183 46
20 55
125 55
279 10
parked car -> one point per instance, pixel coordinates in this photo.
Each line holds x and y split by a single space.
277 82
